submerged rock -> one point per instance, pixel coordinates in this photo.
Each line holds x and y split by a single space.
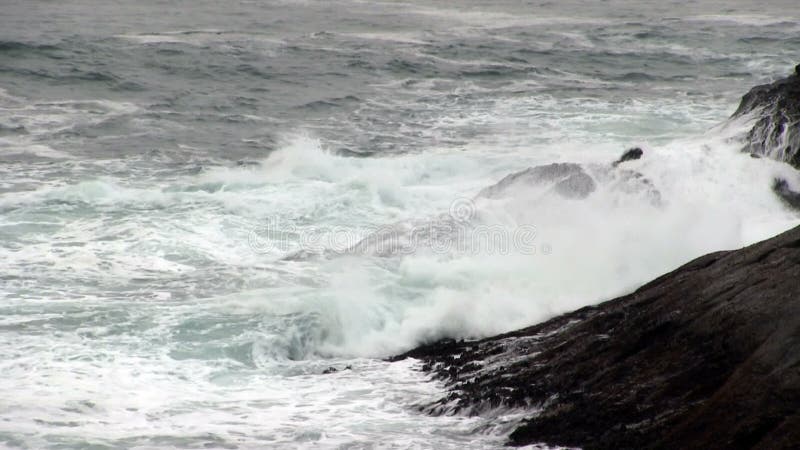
634 183
576 181
707 356
776 132
407 237
567 179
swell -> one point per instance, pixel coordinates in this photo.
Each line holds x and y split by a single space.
16 48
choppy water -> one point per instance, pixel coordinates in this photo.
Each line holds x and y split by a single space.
178 179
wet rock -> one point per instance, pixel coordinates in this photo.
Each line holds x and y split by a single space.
567 179
332 369
579 185
629 155
704 357
789 197
776 131
576 181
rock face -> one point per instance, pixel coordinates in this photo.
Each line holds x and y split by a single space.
704 357
776 132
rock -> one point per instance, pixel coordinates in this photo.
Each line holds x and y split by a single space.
576 181
704 357
567 179
332 369
789 197
578 186
776 131
629 155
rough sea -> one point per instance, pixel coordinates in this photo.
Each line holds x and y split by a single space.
184 186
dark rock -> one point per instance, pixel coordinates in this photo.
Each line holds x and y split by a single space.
332 369
629 155
776 131
789 197
704 357
567 179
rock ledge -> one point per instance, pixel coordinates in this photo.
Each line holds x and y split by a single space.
705 357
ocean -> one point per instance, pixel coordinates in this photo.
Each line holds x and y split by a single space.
206 205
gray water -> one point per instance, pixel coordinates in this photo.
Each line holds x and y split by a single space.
178 181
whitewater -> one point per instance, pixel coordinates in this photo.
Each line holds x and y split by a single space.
192 198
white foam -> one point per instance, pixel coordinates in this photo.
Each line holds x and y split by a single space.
141 311
149 398
496 19
713 198
741 19
405 38
202 37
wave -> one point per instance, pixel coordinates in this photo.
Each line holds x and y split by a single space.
586 248
17 47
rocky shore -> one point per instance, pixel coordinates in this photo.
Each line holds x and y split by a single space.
776 132
704 357
707 356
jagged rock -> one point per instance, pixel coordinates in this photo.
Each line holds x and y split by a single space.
776 132
704 357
